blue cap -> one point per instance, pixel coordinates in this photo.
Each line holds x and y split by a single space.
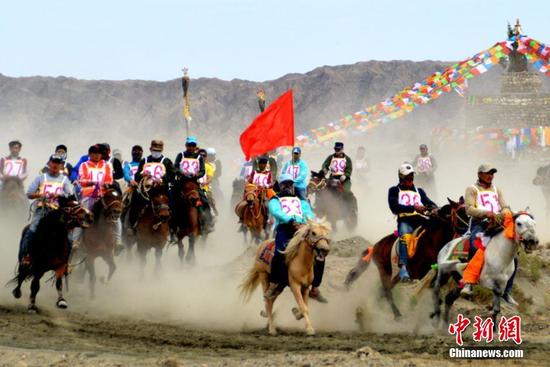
191 140
297 150
285 177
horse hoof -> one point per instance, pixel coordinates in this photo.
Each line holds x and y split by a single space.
16 293
32 309
398 317
263 313
273 332
62 304
310 332
297 313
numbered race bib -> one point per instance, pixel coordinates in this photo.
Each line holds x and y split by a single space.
97 175
424 164
13 167
155 170
488 200
293 170
338 166
291 205
189 166
247 171
133 170
51 188
261 180
409 198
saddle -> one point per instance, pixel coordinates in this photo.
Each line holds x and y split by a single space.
412 242
461 250
267 253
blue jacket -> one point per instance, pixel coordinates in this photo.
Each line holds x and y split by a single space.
128 176
74 173
276 210
300 181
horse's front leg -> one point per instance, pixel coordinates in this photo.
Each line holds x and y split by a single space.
61 303
181 249
35 287
497 295
158 255
191 253
91 270
21 276
110 260
301 295
436 292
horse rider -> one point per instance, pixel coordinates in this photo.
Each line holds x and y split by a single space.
408 203
486 207
299 170
93 177
156 168
340 167
289 212
425 166
205 190
217 166
116 164
130 169
262 177
44 189
362 164
246 170
61 151
13 165
271 165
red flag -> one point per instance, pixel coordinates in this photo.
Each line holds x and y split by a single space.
271 129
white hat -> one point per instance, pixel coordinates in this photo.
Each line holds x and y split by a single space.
211 151
406 169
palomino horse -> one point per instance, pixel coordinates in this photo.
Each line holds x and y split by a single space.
310 241
542 179
450 221
253 211
12 198
187 216
99 240
329 200
497 269
49 249
153 228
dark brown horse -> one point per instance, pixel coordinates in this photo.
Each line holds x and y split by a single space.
49 249
253 212
188 201
450 221
13 201
99 240
153 228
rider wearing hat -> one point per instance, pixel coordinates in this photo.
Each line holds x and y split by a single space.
340 167
44 189
289 212
189 164
61 150
486 207
261 176
271 165
408 202
299 170
13 165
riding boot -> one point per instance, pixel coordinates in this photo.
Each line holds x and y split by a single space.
24 244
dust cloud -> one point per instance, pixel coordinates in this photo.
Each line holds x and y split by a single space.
207 295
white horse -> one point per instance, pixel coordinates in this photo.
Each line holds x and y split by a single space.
497 269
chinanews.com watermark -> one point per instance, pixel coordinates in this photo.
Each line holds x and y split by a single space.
485 332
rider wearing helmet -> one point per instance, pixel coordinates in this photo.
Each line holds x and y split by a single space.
61 151
296 212
45 189
408 202
189 163
486 207
339 166
299 170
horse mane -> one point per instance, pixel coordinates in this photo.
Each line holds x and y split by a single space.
293 246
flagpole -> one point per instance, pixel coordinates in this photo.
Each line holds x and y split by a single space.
185 89
261 99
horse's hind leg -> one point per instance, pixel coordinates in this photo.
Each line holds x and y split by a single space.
389 296
497 295
61 303
181 250
450 299
21 275
91 270
35 287
109 259
158 255
191 253
440 280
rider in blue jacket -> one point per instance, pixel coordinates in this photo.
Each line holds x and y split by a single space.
299 170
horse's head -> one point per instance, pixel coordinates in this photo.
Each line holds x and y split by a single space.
74 214
160 206
317 235
190 192
456 213
112 205
12 186
525 231
250 195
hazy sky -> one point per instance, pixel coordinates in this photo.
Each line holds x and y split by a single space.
247 39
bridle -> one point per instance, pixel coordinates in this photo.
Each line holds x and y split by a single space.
457 220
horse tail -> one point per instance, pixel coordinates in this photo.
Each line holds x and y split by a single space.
250 283
426 280
362 265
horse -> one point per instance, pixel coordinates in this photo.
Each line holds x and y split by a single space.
542 179
450 221
49 249
253 211
329 201
153 228
497 269
238 188
13 199
99 239
187 216
310 241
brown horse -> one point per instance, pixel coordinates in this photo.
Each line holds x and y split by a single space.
187 198
450 221
329 200
99 240
153 228
49 249
310 241
253 213
12 198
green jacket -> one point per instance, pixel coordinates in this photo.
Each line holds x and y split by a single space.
347 171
